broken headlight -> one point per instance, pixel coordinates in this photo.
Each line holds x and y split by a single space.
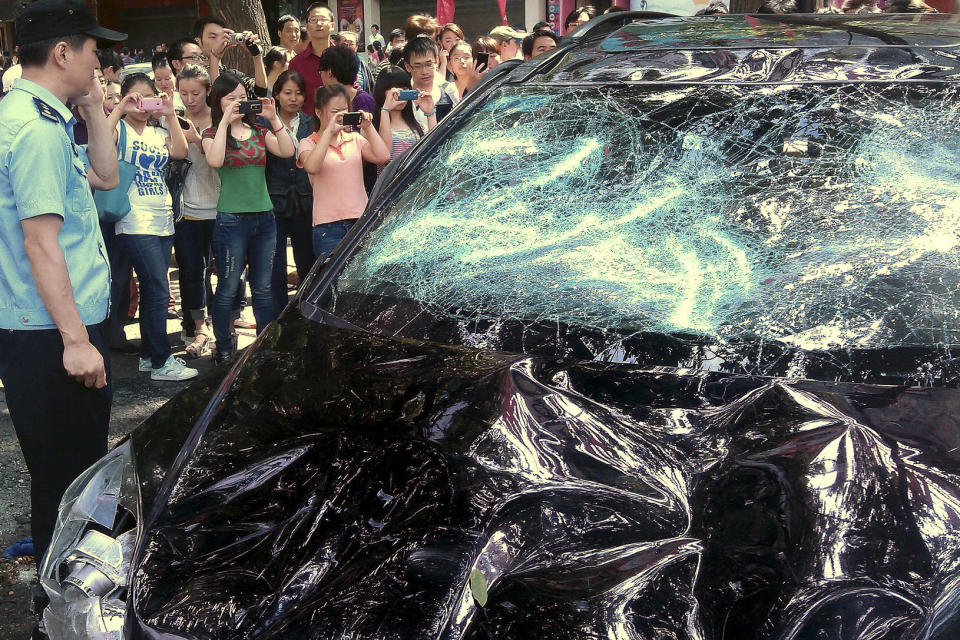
86 569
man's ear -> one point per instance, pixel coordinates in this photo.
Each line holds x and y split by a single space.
59 53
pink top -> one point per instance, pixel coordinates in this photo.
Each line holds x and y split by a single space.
338 191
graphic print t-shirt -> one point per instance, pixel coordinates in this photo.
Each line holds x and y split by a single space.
243 180
151 211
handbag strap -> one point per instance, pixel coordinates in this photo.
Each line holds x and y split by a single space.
122 147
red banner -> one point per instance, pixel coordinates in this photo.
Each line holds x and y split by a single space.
445 10
503 11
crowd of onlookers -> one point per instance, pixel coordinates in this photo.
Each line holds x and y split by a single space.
231 169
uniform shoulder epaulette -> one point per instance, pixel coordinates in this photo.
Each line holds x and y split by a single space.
46 111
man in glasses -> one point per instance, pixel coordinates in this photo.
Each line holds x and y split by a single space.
420 57
184 52
319 21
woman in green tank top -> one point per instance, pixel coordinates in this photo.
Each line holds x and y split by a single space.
245 231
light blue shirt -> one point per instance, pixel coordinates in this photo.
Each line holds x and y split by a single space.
42 172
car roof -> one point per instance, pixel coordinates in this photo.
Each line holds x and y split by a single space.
639 47
797 30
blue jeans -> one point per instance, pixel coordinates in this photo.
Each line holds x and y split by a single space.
327 236
150 256
297 228
241 239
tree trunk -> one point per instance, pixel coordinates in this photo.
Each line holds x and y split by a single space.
242 15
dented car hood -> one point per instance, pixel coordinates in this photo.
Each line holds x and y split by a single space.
344 485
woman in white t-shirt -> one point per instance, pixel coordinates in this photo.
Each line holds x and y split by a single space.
146 233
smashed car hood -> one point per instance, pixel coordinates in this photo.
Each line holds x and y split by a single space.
348 486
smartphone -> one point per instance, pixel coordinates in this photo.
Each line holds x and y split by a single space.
251 106
483 59
409 94
183 124
352 119
150 104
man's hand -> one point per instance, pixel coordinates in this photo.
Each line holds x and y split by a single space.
226 42
93 98
249 39
85 364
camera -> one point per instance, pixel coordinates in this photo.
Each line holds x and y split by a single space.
254 49
251 106
351 119
408 94
150 104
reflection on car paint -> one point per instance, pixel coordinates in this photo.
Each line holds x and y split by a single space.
597 500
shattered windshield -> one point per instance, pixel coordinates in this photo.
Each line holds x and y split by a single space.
808 216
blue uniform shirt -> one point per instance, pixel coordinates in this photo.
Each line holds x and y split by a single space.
41 172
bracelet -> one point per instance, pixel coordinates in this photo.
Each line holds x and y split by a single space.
277 131
385 109
431 114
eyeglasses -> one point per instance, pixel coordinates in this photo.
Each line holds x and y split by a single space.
196 58
423 66
319 21
461 59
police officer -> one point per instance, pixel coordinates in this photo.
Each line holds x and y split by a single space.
54 274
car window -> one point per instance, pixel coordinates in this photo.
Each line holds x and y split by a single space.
814 216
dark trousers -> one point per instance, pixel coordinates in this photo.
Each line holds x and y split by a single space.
120 271
61 425
150 256
300 232
193 246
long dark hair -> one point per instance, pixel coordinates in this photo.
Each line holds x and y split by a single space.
394 78
225 84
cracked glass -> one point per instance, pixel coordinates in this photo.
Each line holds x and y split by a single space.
798 216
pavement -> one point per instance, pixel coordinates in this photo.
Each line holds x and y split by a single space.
135 398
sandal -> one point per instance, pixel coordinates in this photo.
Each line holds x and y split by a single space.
199 347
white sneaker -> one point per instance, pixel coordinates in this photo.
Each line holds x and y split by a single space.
173 369
145 365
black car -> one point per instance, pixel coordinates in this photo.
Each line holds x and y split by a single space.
652 338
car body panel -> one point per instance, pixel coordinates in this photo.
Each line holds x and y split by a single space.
348 485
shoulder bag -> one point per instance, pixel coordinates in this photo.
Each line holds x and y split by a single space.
114 205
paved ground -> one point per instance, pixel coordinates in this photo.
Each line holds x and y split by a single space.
135 398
